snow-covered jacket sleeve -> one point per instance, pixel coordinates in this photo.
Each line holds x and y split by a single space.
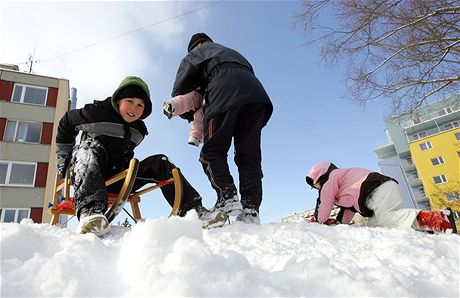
67 129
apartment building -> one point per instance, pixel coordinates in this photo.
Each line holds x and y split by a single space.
423 153
30 107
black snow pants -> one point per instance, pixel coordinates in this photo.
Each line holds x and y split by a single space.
244 124
91 166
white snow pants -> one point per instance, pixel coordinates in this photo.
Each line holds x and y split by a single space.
386 201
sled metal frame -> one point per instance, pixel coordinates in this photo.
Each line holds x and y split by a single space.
62 190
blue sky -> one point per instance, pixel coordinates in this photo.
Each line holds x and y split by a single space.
96 44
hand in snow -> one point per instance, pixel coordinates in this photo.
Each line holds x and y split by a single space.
331 222
62 163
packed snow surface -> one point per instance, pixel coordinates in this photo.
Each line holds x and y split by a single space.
175 257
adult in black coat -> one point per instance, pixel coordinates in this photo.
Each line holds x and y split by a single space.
236 107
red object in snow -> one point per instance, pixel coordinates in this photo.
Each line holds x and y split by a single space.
435 221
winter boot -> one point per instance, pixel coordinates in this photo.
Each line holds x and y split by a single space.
96 224
93 221
249 216
436 221
168 109
211 219
229 203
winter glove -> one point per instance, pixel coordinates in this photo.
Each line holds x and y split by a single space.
62 163
331 222
168 109
312 219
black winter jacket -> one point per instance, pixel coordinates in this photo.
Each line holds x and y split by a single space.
226 77
100 121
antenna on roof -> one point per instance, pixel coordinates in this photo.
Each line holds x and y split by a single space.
31 57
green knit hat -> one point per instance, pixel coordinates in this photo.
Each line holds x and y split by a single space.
132 86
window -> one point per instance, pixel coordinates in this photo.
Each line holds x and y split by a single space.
21 131
420 135
440 179
14 215
458 153
416 120
415 175
453 196
17 173
426 146
437 161
30 94
457 136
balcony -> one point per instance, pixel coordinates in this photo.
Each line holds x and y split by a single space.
414 182
421 199
433 131
385 150
429 117
408 167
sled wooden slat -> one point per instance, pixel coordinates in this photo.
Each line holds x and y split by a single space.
129 175
177 191
62 188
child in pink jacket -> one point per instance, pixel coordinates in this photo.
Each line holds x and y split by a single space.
182 104
371 194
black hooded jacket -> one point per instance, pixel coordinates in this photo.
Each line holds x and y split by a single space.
100 121
226 77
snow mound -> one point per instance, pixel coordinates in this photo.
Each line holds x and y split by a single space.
175 257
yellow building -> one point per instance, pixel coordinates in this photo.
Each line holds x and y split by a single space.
436 158
422 152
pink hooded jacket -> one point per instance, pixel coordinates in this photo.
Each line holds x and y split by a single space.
341 189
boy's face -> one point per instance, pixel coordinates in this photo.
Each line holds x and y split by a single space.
131 108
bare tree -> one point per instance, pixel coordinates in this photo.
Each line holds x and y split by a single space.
405 51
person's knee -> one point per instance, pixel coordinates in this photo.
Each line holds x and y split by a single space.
156 159
159 166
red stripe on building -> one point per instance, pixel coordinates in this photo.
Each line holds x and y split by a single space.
6 90
47 133
40 176
36 214
2 128
51 101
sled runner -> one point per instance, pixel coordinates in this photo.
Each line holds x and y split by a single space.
63 204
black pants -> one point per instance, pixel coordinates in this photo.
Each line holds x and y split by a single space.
91 167
243 124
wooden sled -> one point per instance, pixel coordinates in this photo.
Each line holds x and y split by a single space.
63 204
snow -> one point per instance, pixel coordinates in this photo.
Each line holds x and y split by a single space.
175 257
